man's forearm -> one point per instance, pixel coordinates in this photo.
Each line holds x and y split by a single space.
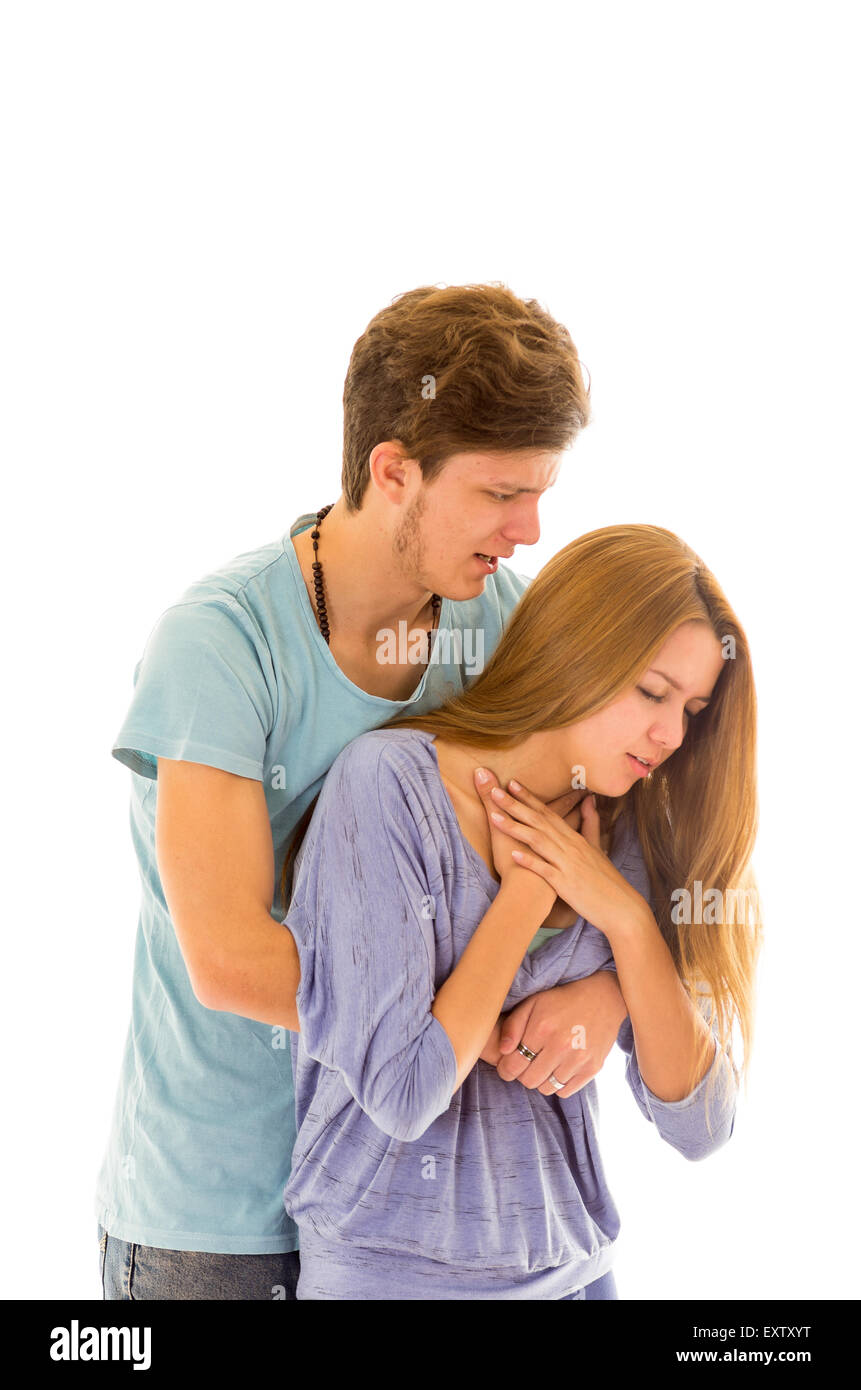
254 972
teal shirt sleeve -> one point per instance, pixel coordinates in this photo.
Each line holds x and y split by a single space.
205 692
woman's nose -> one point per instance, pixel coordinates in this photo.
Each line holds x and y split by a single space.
669 732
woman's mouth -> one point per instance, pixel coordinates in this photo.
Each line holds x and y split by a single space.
640 765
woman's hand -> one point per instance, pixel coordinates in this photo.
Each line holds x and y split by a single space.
572 862
565 806
560 914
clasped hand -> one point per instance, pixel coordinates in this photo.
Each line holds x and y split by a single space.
562 843
571 860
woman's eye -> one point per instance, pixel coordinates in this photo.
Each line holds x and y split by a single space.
658 699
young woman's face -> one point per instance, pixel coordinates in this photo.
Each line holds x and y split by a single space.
650 720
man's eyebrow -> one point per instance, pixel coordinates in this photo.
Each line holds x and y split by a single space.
509 487
676 685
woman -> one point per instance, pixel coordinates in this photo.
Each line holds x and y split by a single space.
418 1173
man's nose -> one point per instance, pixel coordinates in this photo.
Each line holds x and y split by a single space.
524 527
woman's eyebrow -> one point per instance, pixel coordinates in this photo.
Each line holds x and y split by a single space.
676 685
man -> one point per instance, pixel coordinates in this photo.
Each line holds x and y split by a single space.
457 405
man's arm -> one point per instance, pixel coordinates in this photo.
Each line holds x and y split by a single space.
572 1027
214 852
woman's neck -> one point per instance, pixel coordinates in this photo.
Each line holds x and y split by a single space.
535 763
456 764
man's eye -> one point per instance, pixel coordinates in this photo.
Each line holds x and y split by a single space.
501 496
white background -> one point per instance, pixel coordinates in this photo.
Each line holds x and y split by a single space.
204 204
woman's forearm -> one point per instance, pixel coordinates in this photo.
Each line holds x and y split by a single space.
670 1036
468 1003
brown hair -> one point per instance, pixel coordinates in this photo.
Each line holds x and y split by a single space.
449 369
585 630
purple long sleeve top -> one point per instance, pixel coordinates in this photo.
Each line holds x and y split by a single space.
400 1188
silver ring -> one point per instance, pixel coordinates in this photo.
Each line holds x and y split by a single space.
560 1085
526 1053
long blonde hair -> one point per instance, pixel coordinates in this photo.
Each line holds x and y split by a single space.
585 630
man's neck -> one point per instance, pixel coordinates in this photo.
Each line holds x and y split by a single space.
364 588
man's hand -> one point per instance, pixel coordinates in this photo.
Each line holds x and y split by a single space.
492 1051
571 1027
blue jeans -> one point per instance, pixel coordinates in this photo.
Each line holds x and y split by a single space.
139 1272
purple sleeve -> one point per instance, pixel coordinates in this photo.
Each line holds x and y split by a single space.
366 944
685 1124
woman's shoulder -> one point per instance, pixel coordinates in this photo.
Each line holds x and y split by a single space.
387 782
385 758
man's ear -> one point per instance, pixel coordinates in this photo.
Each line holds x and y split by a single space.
390 469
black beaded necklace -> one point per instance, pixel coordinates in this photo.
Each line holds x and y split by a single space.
319 597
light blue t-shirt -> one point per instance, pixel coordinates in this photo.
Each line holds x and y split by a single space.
237 675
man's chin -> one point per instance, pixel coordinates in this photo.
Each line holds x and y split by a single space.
465 590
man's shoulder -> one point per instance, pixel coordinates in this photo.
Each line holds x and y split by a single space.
244 574
251 593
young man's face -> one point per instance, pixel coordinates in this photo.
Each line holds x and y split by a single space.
479 504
